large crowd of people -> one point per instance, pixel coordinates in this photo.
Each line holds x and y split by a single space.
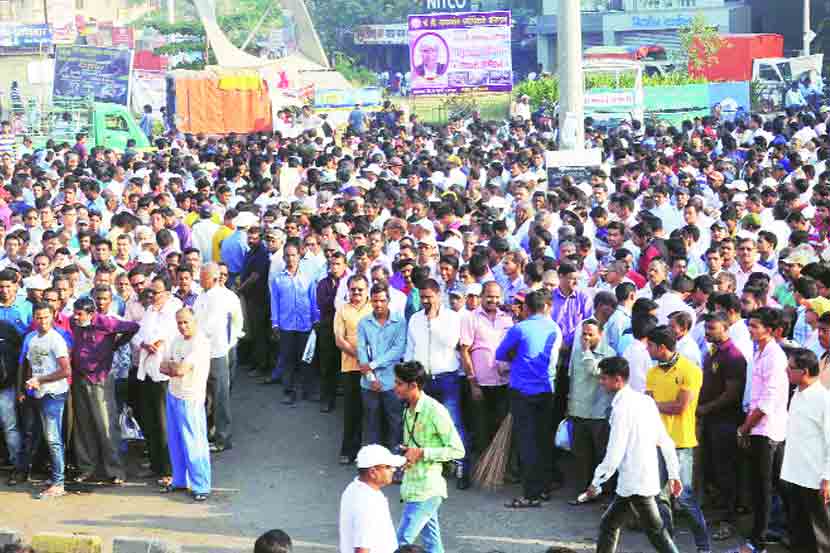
432 280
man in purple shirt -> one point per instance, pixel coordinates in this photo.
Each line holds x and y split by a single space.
96 337
324 310
719 409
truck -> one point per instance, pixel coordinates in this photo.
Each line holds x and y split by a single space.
735 58
106 125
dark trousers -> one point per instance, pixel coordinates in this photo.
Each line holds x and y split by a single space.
763 476
446 388
533 427
291 365
720 461
218 401
352 414
590 441
97 434
809 520
153 397
489 413
617 514
562 384
382 409
329 357
258 323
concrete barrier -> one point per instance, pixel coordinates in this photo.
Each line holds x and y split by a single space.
8 537
67 543
141 545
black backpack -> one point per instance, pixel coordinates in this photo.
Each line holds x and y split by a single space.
10 344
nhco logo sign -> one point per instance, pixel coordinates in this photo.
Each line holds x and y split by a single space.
444 6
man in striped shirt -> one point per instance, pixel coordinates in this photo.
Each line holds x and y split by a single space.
7 139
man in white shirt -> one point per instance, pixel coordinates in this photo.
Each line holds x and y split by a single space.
365 522
681 323
219 316
203 231
636 353
187 364
636 429
806 465
158 326
432 339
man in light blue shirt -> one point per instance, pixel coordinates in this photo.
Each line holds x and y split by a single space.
235 246
620 320
381 343
291 317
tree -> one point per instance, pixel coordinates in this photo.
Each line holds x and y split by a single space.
335 20
702 43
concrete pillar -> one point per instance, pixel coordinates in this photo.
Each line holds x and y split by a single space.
571 81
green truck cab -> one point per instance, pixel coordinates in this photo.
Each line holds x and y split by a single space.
106 125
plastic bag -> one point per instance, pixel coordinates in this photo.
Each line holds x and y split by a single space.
129 426
564 437
311 343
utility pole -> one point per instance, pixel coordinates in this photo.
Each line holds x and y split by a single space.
809 35
571 80
171 11
46 12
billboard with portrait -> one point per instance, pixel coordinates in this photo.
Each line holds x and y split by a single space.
460 52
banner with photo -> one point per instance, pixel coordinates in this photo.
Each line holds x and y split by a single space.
460 52
84 71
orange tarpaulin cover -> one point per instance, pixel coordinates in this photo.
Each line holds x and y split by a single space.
201 107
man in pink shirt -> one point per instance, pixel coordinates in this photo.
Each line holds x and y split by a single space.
482 331
765 427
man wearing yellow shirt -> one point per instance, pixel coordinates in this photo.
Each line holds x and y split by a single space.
675 383
223 232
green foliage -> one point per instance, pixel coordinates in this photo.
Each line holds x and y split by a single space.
335 20
701 42
355 74
547 90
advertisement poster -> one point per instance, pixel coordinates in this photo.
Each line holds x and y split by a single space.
84 71
342 98
460 52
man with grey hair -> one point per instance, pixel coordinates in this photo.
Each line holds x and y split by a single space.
216 309
523 218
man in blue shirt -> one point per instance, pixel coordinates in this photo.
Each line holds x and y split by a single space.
235 246
291 301
381 342
528 346
357 120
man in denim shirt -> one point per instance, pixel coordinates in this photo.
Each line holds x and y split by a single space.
381 343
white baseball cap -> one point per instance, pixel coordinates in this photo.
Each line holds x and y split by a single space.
373 455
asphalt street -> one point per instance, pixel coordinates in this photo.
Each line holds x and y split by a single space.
283 473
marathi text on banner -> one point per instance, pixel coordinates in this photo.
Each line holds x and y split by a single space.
460 52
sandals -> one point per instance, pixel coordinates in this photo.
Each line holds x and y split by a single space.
523 503
724 532
170 488
200 497
52 492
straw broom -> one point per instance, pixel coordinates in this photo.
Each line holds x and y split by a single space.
490 469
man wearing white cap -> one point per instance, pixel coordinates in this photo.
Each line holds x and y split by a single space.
365 522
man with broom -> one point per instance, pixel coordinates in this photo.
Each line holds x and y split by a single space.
528 346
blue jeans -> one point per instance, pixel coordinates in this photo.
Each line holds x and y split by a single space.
446 388
50 408
8 421
687 500
421 518
377 407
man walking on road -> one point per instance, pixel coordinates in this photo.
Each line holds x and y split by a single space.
636 429
365 522
430 439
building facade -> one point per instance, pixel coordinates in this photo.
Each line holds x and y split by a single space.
638 22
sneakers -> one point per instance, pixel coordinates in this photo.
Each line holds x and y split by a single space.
52 492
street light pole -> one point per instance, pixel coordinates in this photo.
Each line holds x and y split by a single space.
809 35
571 81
